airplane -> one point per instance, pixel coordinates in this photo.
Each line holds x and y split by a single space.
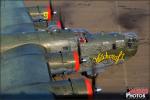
46 17
31 59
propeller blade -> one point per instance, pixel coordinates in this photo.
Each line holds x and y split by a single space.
61 20
94 76
51 6
93 83
50 10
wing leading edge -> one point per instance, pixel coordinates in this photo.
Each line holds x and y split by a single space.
15 18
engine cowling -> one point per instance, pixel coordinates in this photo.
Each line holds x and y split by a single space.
64 61
71 87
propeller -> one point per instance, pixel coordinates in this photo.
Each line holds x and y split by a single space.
55 15
93 78
60 19
51 6
93 75
50 10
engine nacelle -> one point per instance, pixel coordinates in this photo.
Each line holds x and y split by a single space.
78 87
63 61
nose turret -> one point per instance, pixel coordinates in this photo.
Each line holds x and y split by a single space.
131 42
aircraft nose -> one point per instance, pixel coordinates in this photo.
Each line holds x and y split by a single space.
132 42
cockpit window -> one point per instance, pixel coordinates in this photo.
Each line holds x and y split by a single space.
114 46
129 45
130 40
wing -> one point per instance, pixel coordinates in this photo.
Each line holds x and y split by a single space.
24 65
14 17
25 69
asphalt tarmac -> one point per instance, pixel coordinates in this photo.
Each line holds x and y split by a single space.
113 16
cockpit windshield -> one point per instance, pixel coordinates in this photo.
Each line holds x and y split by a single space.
131 39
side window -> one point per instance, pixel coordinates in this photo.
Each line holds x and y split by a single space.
130 43
114 46
66 48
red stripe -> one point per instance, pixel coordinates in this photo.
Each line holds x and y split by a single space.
76 58
49 13
89 89
59 24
